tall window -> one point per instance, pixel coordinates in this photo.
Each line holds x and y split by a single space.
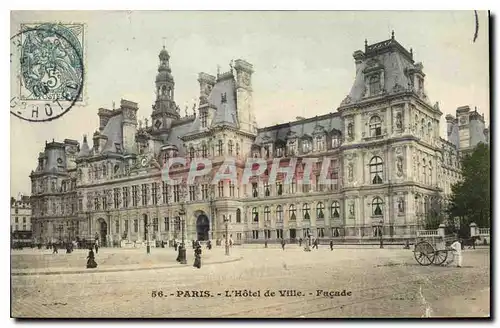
255 192
155 224
230 147
203 118
429 129
293 187
126 226
267 213
320 232
192 193
377 205
219 148
116 196
305 211
375 126
306 146
255 214
422 127
177 193
279 188
117 226
336 139
279 213
167 224
292 211
374 84
376 169
191 153
154 192
238 215
136 225
220 187
430 173
320 210
320 143
231 189
164 192
267 189
204 151
204 191
335 209
144 194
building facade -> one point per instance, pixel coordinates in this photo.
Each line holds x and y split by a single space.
387 164
20 214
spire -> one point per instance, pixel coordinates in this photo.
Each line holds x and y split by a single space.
392 35
85 150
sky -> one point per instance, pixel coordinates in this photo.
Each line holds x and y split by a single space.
302 60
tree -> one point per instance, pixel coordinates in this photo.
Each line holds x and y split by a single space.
470 199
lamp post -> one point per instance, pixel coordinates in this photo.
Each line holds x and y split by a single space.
380 234
265 234
182 247
226 222
146 226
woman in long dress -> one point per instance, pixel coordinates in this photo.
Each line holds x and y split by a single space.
91 263
197 257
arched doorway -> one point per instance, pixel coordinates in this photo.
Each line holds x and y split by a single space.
202 227
103 231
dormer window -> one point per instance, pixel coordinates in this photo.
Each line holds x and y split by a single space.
203 118
306 146
336 139
375 126
204 151
374 85
191 152
230 147
266 151
223 98
279 151
320 143
291 148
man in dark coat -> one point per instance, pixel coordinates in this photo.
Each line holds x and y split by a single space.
283 244
300 242
331 245
197 257
91 263
209 245
315 244
96 248
54 249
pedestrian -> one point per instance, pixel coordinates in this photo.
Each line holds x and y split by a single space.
265 244
315 245
96 248
91 263
331 245
197 257
300 241
68 248
282 243
54 249
209 245
407 244
456 253
175 245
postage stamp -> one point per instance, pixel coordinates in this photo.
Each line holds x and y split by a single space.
47 60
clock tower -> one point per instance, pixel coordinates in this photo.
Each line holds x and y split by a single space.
244 102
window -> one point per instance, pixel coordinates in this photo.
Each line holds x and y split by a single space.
116 199
279 151
191 153
144 194
306 146
219 148
238 215
177 193
154 193
376 169
291 149
306 187
377 231
203 118
422 127
204 191
336 139
335 209
267 189
255 214
320 143
164 191
16 220
429 129
266 151
335 232
192 193
104 170
117 226
220 187
279 213
231 189
292 211
230 147
96 203
293 187
167 224
255 234
255 192
377 204
104 203
267 213
267 234
155 224
126 225
320 210
305 211
279 233
204 151
237 149
375 126
279 188
136 225
374 84
320 232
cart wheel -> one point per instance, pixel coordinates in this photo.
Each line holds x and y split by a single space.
424 253
441 257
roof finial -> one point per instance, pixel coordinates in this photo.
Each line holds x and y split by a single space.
366 43
113 105
411 52
164 42
218 70
392 35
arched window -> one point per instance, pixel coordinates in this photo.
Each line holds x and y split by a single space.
376 170
305 211
238 215
335 209
429 129
292 211
191 152
374 84
255 214
306 145
422 127
375 126
204 150
219 148
377 205
164 90
320 211
267 213
230 147
320 143
336 139
279 213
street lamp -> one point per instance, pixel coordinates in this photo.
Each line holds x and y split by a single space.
182 247
146 226
226 221
380 234
265 234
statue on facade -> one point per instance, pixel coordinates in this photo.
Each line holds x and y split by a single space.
401 205
351 209
399 166
350 131
399 121
350 173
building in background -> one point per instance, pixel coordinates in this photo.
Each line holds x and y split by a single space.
388 165
20 213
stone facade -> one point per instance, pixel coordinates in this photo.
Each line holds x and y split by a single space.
387 163
20 214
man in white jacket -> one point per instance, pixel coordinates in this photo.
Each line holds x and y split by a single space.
457 252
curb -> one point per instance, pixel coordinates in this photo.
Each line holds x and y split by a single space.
47 273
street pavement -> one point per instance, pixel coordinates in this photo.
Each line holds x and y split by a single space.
345 282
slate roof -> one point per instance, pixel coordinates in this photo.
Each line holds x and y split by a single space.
176 132
113 131
226 108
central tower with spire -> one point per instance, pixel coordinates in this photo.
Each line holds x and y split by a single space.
164 109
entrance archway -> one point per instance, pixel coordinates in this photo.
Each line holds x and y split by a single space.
202 227
103 231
